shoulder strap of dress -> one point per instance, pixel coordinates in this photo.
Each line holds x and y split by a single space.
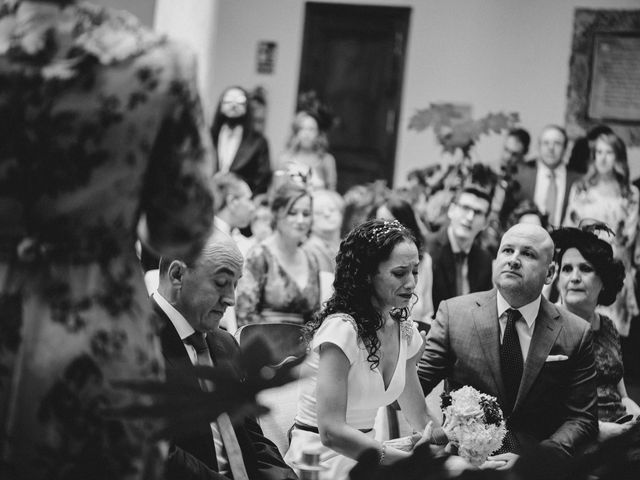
344 317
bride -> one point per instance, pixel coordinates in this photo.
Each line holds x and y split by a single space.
363 351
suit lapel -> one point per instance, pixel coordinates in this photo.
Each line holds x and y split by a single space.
545 333
447 263
245 149
485 317
177 361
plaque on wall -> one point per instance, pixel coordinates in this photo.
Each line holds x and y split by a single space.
604 73
615 78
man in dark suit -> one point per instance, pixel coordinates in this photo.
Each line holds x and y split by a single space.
189 303
544 181
534 357
240 148
460 262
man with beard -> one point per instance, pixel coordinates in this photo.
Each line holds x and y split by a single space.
240 148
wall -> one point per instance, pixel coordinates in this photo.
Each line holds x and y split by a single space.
497 55
143 9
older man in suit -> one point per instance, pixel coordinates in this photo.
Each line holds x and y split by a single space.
510 342
189 303
546 181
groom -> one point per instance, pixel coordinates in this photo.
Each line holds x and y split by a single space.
510 342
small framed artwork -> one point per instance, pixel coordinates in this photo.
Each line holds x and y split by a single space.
266 57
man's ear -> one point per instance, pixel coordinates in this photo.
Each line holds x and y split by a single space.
551 273
176 272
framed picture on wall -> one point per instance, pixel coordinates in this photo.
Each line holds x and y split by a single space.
614 93
604 73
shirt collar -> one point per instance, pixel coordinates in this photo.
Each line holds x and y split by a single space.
455 247
560 171
221 225
179 322
529 311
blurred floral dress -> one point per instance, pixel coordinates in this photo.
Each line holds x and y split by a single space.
100 126
266 292
621 215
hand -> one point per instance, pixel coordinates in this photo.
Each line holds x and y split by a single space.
504 461
426 435
631 406
611 429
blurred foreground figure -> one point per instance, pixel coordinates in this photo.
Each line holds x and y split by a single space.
101 127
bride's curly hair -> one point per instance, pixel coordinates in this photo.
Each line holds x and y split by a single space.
358 259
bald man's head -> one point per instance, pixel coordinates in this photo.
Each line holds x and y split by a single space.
524 263
202 291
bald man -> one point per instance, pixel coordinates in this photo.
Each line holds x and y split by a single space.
534 357
190 301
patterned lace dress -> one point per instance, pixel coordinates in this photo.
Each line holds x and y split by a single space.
100 126
266 291
609 370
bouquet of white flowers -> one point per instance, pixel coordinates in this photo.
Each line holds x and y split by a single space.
474 423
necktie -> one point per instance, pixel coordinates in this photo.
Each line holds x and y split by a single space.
511 361
228 434
552 198
460 258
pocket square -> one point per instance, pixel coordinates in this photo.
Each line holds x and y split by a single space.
556 358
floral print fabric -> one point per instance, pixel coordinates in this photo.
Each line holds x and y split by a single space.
101 126
265 285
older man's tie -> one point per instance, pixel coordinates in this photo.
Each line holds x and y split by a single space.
511 361
228 434
552 199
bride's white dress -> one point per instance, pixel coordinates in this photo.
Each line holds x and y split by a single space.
366 392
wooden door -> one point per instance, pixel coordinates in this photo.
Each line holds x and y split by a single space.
353 57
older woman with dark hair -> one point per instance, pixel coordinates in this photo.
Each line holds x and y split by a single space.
590 276
363 350
280 281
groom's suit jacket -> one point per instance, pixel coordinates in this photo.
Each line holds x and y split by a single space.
556 406
192 454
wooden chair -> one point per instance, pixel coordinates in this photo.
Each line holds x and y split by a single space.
286 341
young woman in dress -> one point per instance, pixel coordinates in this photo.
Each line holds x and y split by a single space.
590 276
280 281
307 149
363 350
605 194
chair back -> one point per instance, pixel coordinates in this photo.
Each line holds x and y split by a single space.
285 339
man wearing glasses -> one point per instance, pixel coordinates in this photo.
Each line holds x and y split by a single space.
461 265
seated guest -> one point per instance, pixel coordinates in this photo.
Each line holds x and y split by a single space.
590 276
396 208
461 264
363 352
234 207
189 304
534 357
527 212
281 279
328 210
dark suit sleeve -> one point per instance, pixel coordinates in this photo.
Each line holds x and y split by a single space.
262 176
269 462
181 465
436 360
581 424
